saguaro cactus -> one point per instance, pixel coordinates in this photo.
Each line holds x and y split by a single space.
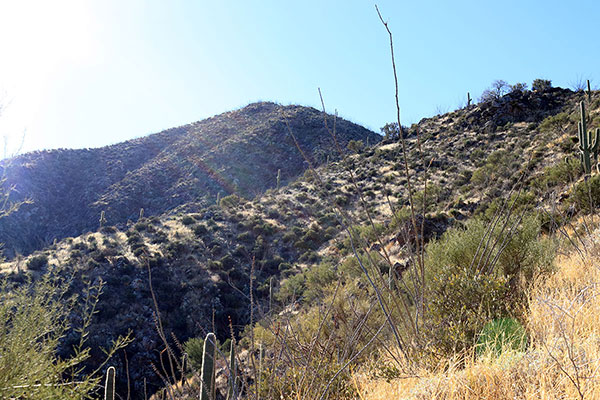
468 99
270 294
587 148
207 385
232 392
589 91
278 178
102 219
109 386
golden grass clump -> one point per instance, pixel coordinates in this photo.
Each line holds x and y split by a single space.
561 362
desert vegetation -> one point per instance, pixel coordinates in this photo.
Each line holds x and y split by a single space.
306 257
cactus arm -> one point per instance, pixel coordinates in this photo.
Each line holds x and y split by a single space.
594 148
583 119
586 147
207 374
109 387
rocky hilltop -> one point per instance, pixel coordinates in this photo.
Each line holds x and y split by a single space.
235 152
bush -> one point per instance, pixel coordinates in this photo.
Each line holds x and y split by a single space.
336 335
34 320
585 196
38 262
541 85
187 220
558 122
464 295
460 303
498 89
200 230
518 87
562 173
231 201
390 131
194 348
108 229
355 146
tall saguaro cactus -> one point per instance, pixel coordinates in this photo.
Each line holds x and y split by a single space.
468 99
109 386
587 147
207 385
589 91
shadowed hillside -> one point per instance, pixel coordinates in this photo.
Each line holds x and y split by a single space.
236 152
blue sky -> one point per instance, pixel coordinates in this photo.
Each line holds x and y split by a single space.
89 73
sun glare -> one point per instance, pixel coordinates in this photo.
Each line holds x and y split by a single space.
38 40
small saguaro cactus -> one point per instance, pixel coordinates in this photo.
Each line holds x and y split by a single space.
207 374
109 386
232 391
218 197
102 218
469 99
270 293
587 148
141 217
278 178
589 91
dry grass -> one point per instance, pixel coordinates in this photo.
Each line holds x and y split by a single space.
562 361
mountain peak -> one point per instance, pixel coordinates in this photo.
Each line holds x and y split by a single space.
238 152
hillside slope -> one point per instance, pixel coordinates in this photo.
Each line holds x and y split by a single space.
204 259
235 152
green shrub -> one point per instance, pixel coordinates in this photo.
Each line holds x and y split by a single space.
38 262
564 172
460 303
140 251
291 288
316 280
194 348
340 333
341 200
245 237
200 230
464 295
134 238
519 202
541 84
585 196
355 146
175 248
214 266
108 230
187 220
34 320
232 201
555 123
